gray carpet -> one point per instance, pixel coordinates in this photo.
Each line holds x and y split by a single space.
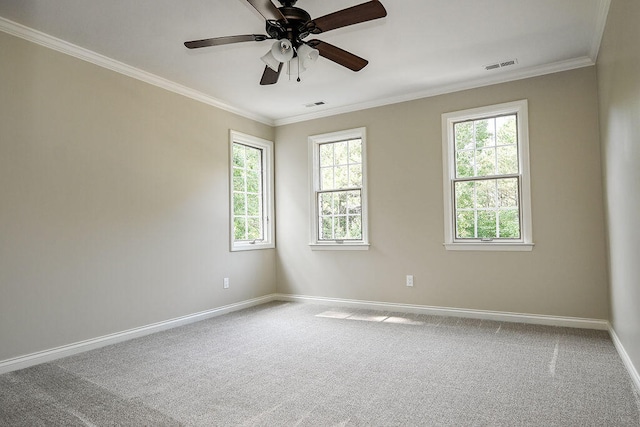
286 364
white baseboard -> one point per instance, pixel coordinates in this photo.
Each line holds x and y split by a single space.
79 347
32 359
635 377
536 319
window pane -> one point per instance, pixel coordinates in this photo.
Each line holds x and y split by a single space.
354 202
487 224
486 193
326 203
464 195
508 159
239 206
341 178
506 130
238 155
253 159
486 162
355 227
253 182
326 230
340 153
355 176
484 132
465 225
253 205
341 207
509 223
341 215
254 231
326 155
464 164
239 228
326 178
508 193
463 134
479 203
238 179
340 227
355 151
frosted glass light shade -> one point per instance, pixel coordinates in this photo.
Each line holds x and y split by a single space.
282 50
271 61
307 55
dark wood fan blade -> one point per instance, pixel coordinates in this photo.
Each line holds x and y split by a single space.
339 56
217 41
349 16
269 76
267 9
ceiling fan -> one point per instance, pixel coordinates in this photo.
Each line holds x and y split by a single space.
289 25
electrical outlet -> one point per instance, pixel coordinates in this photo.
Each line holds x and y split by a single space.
409 280
225 283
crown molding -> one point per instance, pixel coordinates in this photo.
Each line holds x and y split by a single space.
34 36
601 21
51 42
501 77
586 61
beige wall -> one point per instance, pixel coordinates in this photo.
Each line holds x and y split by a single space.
619 91
114 206
565 274
113 203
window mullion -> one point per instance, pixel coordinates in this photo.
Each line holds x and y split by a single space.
497 208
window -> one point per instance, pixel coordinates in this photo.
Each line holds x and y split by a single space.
251 182
338 193
486 178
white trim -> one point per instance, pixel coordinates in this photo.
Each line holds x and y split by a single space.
520 108
267 191
339 247
495 78
49 355
500 316
32 359
635 377
313 142
54 43
70 49
490 246
601 22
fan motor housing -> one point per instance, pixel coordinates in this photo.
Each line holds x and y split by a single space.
294 28
295 15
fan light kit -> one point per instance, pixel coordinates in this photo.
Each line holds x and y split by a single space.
288 26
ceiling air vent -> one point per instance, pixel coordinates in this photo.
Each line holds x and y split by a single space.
501 64
315 104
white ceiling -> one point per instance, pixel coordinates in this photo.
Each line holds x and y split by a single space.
422 47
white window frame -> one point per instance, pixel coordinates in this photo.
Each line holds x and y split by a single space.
267 192
314 180
525 243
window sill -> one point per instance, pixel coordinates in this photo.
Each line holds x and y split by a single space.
505 247
339 246
252 247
